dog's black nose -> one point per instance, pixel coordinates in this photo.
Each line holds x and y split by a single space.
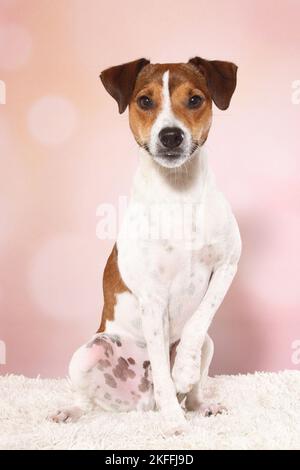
171 137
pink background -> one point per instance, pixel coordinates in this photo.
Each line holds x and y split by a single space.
65 150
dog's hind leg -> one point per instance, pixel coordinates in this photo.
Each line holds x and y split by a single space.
81 365
109 372
195 400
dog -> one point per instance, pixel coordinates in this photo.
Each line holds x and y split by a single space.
162 290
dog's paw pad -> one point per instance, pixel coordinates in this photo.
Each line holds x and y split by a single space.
173 428
212 409
66 415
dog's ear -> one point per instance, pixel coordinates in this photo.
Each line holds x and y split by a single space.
119 81
220 78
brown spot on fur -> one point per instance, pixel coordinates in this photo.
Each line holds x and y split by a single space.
144 385
102 341
112 285
110 381
103 364
115 339
108 350
136 396
131 360
122 371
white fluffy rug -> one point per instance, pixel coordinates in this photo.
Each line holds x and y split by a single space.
264 413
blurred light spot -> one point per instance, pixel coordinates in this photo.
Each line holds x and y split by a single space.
52 119
273 271
5 226
64 278
2 92
15 46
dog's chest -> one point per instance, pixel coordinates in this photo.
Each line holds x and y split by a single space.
167 257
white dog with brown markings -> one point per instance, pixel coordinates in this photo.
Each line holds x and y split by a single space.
176 254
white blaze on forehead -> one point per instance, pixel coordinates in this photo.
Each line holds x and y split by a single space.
166 107
166 117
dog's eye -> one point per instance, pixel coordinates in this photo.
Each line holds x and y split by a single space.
145 102
195 101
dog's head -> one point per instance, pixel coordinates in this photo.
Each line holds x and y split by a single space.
170 105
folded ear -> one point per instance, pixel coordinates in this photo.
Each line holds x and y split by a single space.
220 77
119 81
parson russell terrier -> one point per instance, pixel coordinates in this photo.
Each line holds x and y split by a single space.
162 290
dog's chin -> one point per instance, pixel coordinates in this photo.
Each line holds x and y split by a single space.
170 159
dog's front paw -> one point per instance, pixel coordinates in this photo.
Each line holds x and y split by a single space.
185 374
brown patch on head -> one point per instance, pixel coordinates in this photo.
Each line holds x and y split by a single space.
119 81
184 82
206 80
220 77
210 80
148 83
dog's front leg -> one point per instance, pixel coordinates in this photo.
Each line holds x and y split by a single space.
155 324
186 370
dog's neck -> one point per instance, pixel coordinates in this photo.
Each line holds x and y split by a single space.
156 183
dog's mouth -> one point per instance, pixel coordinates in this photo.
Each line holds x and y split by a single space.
172 158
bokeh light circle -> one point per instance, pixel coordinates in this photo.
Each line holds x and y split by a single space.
52 119
64 278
